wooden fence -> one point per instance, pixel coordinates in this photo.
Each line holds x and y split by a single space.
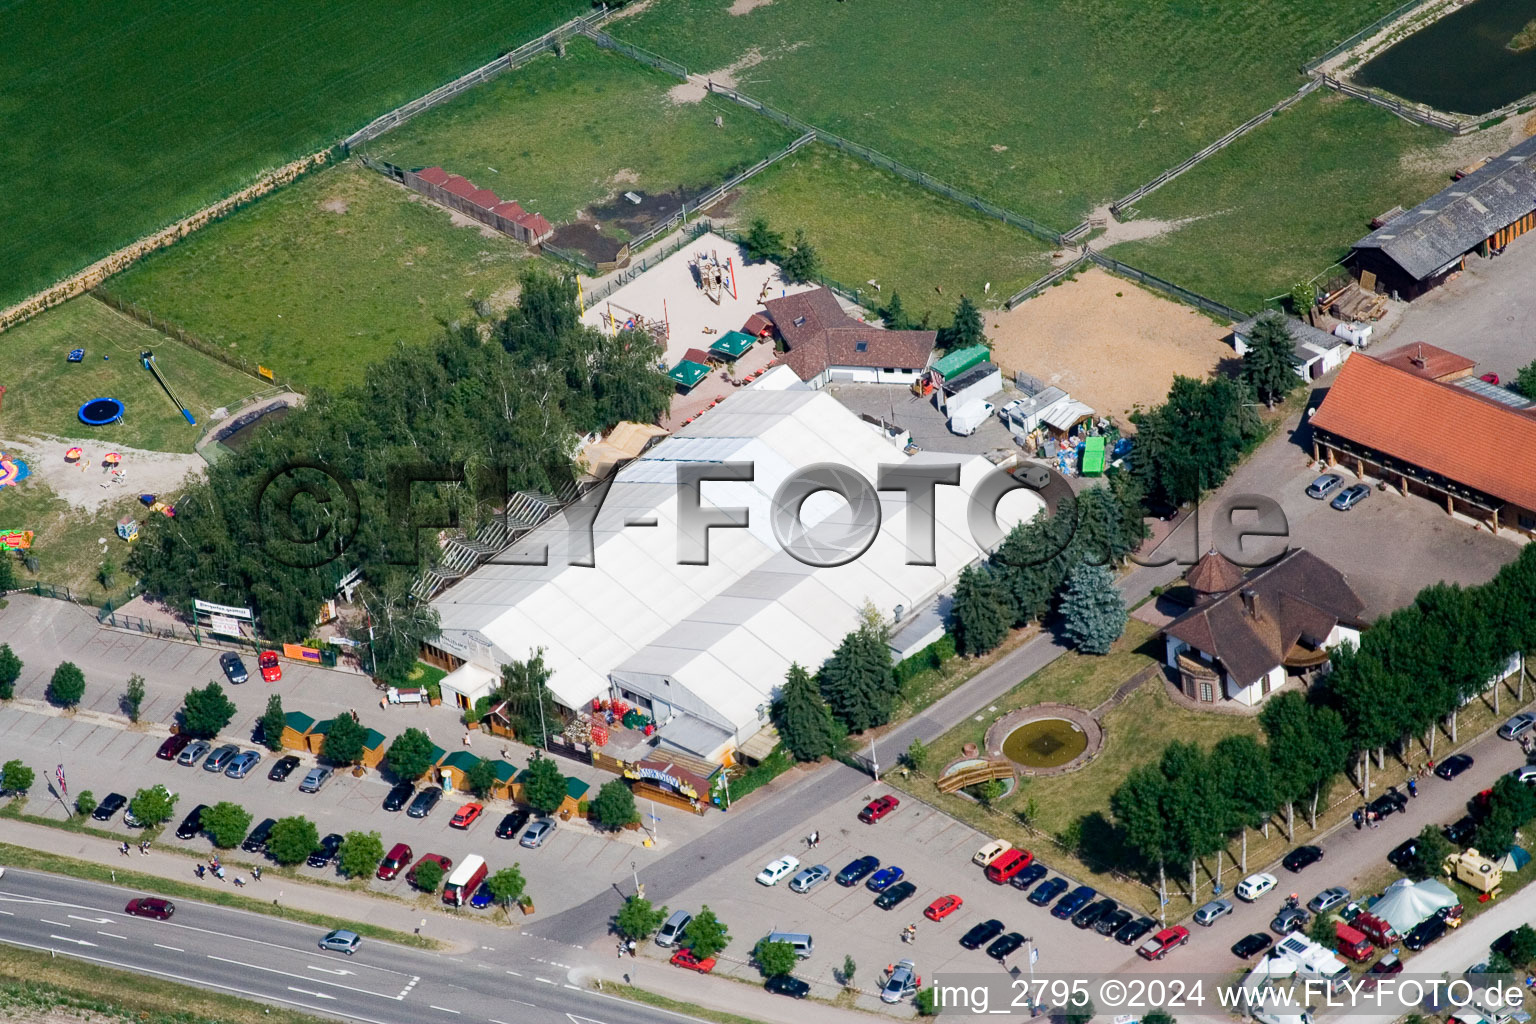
1365 33
1039 285
176 333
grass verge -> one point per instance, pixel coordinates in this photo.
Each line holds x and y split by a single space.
78 823
640 995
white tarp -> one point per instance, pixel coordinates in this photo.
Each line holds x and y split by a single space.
1067 415
1405 904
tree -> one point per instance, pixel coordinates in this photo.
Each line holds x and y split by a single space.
1307 748
85 802
1321 930
927 1002
804 719
1303 297
1525 380
965 328
917 755
530 704
16 778
801 263
67 685
1189 444
859 680
895 315
428 875
360 854
762 243
1522 946
775 958
153 805
10 671
1269 367
979 615
293 839
1161 1017
206 711
344 741
615 805
392 629
637 919
133 697
1245 766
410 755
273 721
1078 1010
7 576
544 786
1093 609
849 969
226 824
706 935
1431 853
481 778
506 885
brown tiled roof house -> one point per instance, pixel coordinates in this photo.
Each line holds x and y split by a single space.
826 344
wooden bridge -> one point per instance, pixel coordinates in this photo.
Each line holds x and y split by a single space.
974 775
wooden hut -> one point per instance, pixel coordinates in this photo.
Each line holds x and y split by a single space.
296 728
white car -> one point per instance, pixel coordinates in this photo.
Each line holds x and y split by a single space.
1526 774
1254 886
993 850
771 874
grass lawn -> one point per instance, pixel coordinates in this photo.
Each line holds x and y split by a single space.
44 391
1048 108
869 224
320 278
562 133
1283 203
120 118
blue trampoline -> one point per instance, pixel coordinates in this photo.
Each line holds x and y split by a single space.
98 412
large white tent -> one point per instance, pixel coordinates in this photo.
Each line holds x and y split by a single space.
704 647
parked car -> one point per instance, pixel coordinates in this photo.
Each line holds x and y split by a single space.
1289 919
1255 885
1425 932
109 806
1385 967
221 758
173 745
151 906
1302 857
398 857
1251 945
672 930
1518 725
788 985
234 668
192 824
1028 876
446 863
1073 901
1001 949
942 907
1323 485
777 870
271 668
810 878
1212 912
341 941
329 847
990 852
856 871
1525 773
1159 945
981 934
242 764
399 795
481 897
256 842
685 959
878 808
1403 853
883 879
1491 378
1089 915
130 820
1388 803
535 834
1328 899
1112 922
511 824
316 778
901 983
466 816
1453 766
1460 831
193 752
896 894
424 802
282 768
1048 890
1350 496
1129 933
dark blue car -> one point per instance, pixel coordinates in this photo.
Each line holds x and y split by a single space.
1047 891
1072 902
481 897
1028 877
884 878
857 871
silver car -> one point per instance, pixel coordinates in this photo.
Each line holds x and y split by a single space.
539 831
1324 485
673 930
1350 496
220 758
1328 899
316 778
194 752
810 878
341 941
241 766
1213 912
901 983
1518 726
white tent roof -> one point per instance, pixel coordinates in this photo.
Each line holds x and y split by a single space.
1405 904
1067 414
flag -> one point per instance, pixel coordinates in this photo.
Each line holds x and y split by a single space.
59 774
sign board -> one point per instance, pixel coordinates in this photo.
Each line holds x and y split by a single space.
300 653
224 624
341 641
262 371
228 611
656 775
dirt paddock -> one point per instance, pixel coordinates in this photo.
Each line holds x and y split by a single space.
1107 342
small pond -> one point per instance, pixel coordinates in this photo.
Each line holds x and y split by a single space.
1462 63
1045 743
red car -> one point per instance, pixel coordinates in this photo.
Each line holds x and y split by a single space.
150 906
684 958
271 669
942 907
172 746
878 808
1158 945
443 862
467 816
1491 378
398 857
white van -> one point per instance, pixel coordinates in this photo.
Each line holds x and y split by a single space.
801 942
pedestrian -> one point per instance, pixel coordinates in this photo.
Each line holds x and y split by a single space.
621 948
632 948
239 882
1359 819
382 703
256 874
124 848
420 926
201 871
1413 788
815 839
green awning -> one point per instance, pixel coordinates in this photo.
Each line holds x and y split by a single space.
298 721
960 360
732 343
373 739
1093 457
463 760
688 374
575 788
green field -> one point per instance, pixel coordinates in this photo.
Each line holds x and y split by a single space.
1048 107
120 117
322 277
562 133
1280 205
869 224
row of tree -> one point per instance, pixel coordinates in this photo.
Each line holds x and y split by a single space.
855 689
1190 443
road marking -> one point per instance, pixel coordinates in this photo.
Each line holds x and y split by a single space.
78 942
59 924
582 1020
544 980
7 913
443 1008
112 936
89 920
511 1000
173 949
300 977
514 974
306 992
327 970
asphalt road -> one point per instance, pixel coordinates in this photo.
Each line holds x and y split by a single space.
279 962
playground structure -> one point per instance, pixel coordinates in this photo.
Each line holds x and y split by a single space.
12 470
147 359
713 275
99 412
629 320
